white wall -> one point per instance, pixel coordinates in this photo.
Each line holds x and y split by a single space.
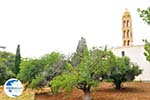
136 54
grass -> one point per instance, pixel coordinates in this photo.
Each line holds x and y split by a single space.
26 95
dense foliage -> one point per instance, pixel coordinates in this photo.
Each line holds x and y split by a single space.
78 55
147 50
7 67
83 70
37 73
123 70
87 74
145 15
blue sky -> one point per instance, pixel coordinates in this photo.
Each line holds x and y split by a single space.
43 26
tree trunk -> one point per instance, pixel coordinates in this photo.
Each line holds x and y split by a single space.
118 85
86 91
87 96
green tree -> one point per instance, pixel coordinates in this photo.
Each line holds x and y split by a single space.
86 75
147 50
37 73
8 59
123 70
54 66
6 66
17 60
78 55
29 68
5 73
145 15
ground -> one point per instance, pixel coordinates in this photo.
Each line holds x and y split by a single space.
105 91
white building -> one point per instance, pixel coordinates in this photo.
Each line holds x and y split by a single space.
135 53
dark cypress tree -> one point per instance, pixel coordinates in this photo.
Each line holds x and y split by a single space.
78 55
17 60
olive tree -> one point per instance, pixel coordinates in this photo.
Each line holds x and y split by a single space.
85 75
37 73
123 70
